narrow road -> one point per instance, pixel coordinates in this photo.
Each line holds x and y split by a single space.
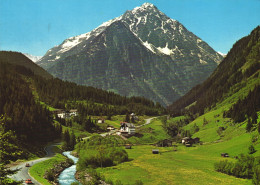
147 121
23 172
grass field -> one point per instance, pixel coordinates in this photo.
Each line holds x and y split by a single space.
188 165
38 170
193 165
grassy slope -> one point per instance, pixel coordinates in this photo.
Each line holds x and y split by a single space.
208 132
193 165
151 133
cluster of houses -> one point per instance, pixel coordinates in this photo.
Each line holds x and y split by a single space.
64 114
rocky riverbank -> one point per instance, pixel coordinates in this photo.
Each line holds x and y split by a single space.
53 174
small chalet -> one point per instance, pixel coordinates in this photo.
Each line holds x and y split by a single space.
73 112
127 128
101 120
64 114
186 140
134 117
67 114
109 128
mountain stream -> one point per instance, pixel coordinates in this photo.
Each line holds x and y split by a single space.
67 176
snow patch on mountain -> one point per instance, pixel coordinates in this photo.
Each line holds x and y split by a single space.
149 46
165 50
222 54
32 58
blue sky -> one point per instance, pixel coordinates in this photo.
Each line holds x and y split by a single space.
34 26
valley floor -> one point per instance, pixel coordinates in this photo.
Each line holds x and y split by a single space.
188 165
185 166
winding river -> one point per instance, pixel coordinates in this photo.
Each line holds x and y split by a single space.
68 175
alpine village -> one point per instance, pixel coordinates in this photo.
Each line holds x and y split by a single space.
138 100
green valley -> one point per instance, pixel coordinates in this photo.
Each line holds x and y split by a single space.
211 135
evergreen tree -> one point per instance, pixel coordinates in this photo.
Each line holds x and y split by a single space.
127 118
8 152
249 125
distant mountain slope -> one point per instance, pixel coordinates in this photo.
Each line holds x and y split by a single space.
141 53
235 77
32 58
20 59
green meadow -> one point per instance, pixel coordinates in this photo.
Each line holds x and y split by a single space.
188 165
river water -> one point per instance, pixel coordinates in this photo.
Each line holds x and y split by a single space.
68 175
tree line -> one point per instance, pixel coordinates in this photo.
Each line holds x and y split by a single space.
58 93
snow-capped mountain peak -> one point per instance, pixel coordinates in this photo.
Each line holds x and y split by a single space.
145 5
142 52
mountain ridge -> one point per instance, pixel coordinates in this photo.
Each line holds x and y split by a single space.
17 58
174 60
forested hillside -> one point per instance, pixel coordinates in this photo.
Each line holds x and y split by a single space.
21 60
241 64
31 122
60 94
26 97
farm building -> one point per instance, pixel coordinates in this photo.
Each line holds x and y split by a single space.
189 141
155 151
128 146
224 155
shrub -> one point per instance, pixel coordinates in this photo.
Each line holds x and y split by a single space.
243 168
50 175
256 176
251 149
102 152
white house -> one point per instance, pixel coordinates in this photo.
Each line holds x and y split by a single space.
67 114
101 120
127 128
73 112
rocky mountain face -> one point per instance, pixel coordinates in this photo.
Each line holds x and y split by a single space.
141 53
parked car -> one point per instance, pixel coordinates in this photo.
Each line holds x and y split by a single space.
28 181
27 165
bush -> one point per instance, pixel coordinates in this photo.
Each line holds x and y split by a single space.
243 168
256 176
50 175
102 152
251 149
